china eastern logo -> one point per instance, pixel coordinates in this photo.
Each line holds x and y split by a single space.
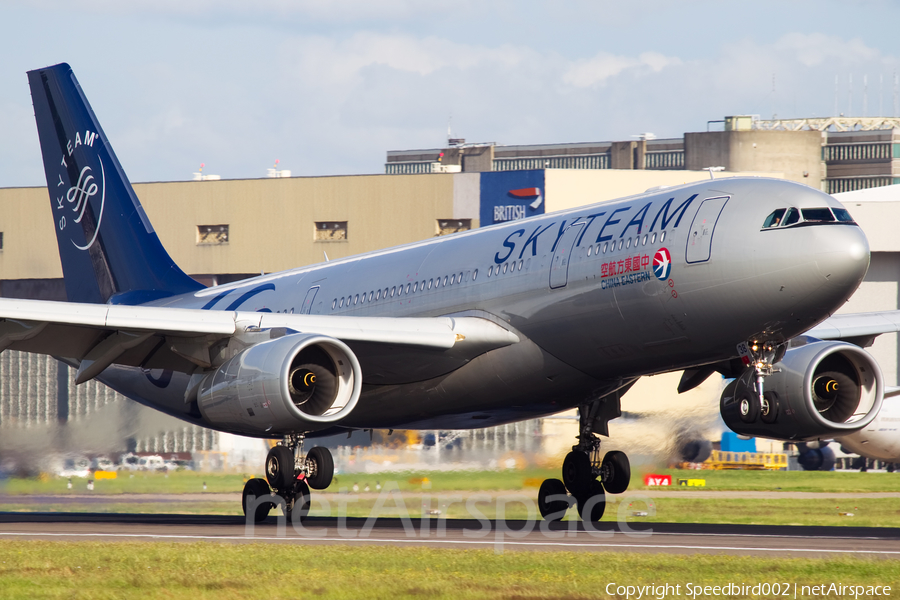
662 264
72 202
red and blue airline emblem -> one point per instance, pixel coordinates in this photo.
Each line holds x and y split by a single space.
662 264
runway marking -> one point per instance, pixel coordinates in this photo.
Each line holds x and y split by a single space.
449 542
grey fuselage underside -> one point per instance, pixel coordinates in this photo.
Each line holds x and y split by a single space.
583 332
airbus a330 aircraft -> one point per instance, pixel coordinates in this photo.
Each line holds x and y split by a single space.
508 322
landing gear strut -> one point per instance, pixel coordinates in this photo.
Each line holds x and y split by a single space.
289 475
584 474
762 356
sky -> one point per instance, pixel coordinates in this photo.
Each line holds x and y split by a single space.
327 87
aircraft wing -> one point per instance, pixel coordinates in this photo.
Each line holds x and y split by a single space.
857 328
390 350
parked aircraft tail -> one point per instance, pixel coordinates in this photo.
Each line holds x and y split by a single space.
107 246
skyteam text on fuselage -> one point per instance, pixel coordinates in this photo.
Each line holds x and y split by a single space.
508 322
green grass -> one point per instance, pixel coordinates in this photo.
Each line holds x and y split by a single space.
196 571
867 512
787 481
182 482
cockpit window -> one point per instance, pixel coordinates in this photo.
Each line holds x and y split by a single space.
792 217
842 215
774 220
817 214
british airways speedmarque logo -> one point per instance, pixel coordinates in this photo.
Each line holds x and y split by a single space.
662 264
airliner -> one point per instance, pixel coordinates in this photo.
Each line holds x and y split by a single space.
507 322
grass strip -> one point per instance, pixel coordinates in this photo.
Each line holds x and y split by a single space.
197 571
857 512
182 482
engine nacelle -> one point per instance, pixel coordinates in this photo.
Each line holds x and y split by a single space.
294 383
820 389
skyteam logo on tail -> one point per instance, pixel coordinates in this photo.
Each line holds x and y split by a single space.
76 199
662 264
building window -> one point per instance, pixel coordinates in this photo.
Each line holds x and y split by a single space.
212 234
447 226
331 231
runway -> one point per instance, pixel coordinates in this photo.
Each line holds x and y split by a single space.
499 536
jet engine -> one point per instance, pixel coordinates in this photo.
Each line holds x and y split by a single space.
819 389
298 382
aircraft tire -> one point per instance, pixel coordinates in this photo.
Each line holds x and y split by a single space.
576 472
280 468
748 407
615 472
300 503
253 489
547 507
769 412
320 464
592 502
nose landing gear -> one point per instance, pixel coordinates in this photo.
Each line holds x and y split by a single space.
289 476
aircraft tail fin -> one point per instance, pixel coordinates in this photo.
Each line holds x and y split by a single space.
107 246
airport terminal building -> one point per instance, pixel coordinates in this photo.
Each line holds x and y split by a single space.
226 230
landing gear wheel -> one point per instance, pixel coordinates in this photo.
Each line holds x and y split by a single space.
748 406
280 468
576 472
300 503
615 472
253 489
556 508
592 502
320 468
768 412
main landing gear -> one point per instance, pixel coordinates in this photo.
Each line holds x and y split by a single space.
585 476
289 475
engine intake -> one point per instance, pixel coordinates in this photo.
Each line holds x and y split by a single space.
298 382
820 389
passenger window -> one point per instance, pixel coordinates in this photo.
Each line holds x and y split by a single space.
407 288
393 289
644 242
605 247
474 276
430 282
653 239
793 216
842 215
356 300
662 237
333 304
821 215
590 249
628 243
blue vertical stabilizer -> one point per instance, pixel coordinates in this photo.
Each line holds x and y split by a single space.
108 249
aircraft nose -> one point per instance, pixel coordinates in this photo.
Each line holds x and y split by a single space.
843 258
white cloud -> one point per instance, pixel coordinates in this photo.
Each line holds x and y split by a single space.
599 69
815 49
